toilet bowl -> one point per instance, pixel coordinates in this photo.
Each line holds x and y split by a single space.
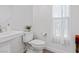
37 45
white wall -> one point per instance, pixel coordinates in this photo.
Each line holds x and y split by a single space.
19 16
5 14
42 18
75 19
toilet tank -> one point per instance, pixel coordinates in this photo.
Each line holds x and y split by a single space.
28 36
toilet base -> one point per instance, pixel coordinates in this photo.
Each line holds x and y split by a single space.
33 50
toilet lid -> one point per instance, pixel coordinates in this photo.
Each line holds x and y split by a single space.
38 42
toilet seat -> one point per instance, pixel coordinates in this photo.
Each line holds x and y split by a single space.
37 42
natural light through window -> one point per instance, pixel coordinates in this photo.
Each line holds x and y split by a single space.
60 21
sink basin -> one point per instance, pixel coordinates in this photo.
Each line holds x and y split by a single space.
10 35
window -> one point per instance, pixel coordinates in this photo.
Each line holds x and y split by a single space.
60 23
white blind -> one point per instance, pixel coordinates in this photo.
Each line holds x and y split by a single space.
60 23
60 11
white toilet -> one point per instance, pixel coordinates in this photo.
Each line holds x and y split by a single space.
37 45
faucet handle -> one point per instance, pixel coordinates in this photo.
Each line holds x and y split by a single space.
0 26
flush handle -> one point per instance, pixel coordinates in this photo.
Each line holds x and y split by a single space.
44 34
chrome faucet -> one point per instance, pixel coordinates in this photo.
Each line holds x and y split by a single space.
1 29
